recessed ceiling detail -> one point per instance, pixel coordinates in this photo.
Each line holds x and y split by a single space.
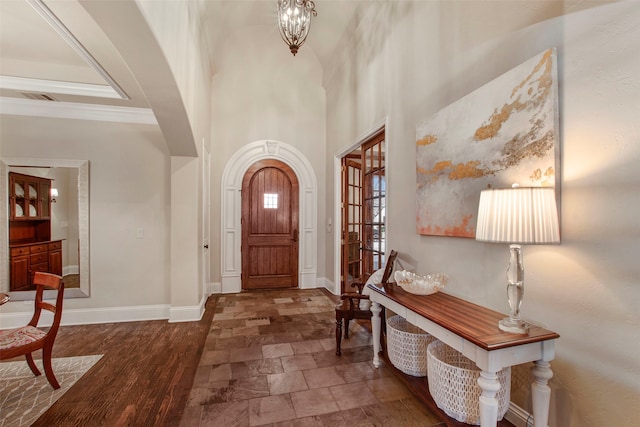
73 110
51 86
64 32
54 59
39 96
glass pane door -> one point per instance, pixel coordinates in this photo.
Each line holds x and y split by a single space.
374 192
352 222
363 211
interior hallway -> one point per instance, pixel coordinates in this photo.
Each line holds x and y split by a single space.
269 359
258 358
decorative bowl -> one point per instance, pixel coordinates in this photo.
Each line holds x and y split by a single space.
420 285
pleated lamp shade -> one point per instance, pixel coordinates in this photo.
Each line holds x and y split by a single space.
523 215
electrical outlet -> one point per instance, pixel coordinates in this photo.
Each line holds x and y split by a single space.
140 233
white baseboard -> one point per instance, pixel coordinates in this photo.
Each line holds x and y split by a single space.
187 313
324 282
70 269
231 284
215 288
88 316
518 416
308 280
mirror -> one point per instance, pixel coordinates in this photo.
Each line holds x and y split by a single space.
69 220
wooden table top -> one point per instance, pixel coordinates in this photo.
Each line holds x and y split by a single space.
470 321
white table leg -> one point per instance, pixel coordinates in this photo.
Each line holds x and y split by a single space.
489 384
375 328
540 392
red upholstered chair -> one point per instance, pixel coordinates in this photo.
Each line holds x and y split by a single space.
29 338
350 308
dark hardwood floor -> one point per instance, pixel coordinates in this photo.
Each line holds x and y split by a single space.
71 281
143 379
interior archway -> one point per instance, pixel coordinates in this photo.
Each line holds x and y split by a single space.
231 235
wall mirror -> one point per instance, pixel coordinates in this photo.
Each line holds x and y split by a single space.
39 228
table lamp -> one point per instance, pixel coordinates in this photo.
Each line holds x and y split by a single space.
517 215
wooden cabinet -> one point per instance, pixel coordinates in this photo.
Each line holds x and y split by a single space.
30 246
29 197
55 257
20 266
29 209
27 259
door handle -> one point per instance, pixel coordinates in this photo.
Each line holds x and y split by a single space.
295 235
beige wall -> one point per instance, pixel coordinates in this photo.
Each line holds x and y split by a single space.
262 92
174 73
432 53
176 25
129 188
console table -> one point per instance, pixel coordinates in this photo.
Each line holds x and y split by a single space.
473 331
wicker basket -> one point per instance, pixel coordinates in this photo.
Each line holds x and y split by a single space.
453 384
407 346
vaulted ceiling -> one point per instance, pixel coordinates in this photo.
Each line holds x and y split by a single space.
53 50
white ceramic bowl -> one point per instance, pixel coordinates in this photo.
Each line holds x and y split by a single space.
420 285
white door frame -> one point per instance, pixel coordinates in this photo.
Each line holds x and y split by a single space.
231 209
206 219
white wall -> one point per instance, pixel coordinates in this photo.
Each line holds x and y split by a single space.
174 73
129 188
413 58
260 91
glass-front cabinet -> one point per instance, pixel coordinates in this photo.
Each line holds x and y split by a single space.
44 209
29 197
30 246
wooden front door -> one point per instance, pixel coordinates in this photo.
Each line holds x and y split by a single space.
269 226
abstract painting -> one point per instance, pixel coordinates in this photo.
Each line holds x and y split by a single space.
502 133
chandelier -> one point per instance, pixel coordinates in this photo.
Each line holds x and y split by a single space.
294 18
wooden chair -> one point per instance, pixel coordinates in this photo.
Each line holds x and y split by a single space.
29 338
350 309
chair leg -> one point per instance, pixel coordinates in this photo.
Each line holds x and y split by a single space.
338 335
32 365
48 370
346 328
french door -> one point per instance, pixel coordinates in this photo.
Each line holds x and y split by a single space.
351 220
363 211
374 196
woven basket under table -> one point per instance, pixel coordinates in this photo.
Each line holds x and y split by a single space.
407 346
453 384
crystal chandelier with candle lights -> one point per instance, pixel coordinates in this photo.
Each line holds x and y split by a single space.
294 19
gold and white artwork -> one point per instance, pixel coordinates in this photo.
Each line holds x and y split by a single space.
502 133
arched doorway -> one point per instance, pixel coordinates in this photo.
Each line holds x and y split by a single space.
269 226
230 237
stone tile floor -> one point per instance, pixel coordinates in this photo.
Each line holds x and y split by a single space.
269 360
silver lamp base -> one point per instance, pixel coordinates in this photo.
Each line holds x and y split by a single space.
515 326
